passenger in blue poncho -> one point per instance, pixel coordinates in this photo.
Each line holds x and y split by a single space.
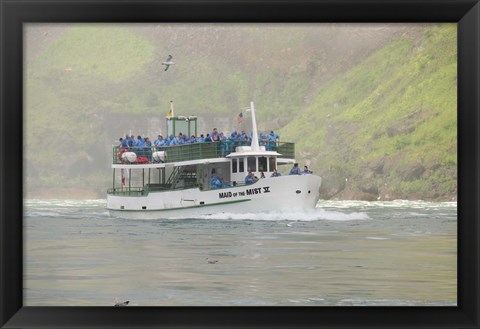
139 142
306 171
263 139
124 142
180 139
201 139
172 140
295 170
159 142
272 140
147 142
250 178
275 173
130 141
216 181
147 149
243 137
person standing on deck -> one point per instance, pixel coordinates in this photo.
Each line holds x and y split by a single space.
275 173
250 178
306 171
215 136
295 170
159 142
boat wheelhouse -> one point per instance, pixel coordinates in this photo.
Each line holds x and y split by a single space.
184 181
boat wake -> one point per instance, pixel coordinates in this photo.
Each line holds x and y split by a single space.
300 216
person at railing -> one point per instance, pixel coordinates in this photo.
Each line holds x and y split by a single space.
295 170
138 146
215 136
208 139
180 139
232 140
250 178
139 142
172 140
122 143
224 144
275 173
192 139
306 171
159 142
243 138
130 141
147 142
147 149
201 139
262 175
263 139
272 140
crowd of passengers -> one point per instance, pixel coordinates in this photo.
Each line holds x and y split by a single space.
217 182
215 136
143 146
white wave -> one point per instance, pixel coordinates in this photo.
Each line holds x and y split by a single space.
419 204
64 203
300 216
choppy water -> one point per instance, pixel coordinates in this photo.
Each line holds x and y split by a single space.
340 254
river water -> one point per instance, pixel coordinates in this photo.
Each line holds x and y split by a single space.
343 253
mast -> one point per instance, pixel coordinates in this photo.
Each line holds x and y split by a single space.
255 146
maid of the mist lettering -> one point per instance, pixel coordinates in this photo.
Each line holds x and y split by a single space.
250 191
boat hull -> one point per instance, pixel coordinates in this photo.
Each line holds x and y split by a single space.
284 193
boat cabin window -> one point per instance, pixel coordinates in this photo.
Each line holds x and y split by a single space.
272 163
262 164
241 166
252 164
234 165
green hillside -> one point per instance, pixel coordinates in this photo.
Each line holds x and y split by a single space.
376 106
388 126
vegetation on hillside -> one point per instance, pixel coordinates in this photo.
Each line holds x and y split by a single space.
387 127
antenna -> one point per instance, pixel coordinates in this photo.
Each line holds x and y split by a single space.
255 146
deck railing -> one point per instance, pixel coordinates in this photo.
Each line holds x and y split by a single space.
144 191
198 151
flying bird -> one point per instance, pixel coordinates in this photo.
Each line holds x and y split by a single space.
168 62
125 303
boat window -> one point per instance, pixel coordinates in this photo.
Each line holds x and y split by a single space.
252 164
241 166
234 165
272 163
262 164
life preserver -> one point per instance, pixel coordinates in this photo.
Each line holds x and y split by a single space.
119 154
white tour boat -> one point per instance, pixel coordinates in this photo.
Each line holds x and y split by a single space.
176 181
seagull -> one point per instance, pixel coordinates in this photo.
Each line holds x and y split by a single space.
125 303
168 62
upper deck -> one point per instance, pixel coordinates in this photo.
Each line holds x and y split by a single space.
196 151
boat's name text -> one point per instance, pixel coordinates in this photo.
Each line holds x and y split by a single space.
250 191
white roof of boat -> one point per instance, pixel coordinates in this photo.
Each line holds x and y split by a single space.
169 164
246 153
285 160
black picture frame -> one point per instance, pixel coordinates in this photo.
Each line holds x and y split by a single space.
16 12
